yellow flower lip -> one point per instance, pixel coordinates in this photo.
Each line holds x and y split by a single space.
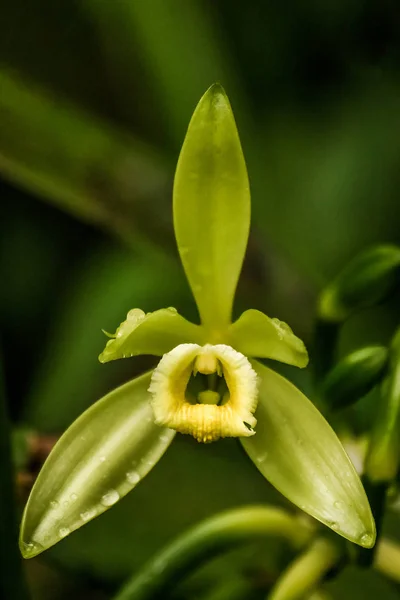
212 417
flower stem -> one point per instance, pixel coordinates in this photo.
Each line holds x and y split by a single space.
387 559
12 581
209 539
307 571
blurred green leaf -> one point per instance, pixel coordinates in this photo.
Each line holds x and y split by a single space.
212 208
255 334
98 460
300 454
79 163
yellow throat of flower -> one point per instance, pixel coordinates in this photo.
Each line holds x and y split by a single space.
226 410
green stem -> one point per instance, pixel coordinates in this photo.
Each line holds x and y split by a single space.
232 589
387 559
12 580
208 539
307 571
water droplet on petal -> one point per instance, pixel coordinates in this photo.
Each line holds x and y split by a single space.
366 540
172 310
338 504
54 504
110 498
262 458
102 459
74 497
63 531
133 477
66 504
135 314
88 514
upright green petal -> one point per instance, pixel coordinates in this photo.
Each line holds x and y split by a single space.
255 334
98 460
212 207
152 333
299 453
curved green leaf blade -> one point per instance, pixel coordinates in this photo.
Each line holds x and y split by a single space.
152 333
98 460
212 207
300 454
255 334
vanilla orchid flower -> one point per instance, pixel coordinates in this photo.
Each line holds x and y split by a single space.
207 383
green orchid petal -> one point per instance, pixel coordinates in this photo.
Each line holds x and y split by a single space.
255 334
152 333
212 207
98 460
300 454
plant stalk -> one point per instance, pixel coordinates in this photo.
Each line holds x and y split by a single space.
306 572
208 539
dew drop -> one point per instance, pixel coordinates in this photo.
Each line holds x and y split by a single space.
262 458
63 532
133 477
102 459
29 547
54 504
110 498
338 504
88 514
135 313
172 310
366 540
164 438
74 497
66 504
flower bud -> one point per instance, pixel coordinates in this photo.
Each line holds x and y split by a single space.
366 281
354 376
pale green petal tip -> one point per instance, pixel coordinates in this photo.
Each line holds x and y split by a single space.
286 335
257 335
133 318
216 89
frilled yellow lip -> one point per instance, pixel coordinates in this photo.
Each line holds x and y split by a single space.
212 416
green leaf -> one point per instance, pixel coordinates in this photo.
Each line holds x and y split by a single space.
98 460
152 333
212 208
255 334
300 454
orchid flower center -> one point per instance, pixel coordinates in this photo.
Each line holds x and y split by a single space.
207 391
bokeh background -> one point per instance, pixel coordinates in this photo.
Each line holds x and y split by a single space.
95 98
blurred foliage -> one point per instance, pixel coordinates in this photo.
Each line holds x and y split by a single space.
95 97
